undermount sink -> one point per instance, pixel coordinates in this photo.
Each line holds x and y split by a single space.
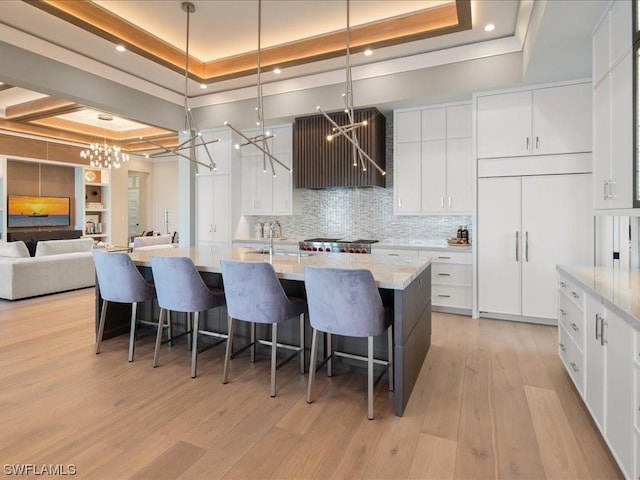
280 253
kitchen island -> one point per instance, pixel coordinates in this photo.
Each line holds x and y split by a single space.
404 284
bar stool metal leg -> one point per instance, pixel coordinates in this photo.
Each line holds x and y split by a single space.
390 355
253 342
103 317
329 356
170 328
370 378
227 355
302 349
132 333
274 352
194 344
312 363
163 312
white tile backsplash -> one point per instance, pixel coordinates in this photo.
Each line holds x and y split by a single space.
365 212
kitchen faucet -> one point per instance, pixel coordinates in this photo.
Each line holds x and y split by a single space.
271 226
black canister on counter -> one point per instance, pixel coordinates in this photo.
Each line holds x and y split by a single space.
465 235
459 233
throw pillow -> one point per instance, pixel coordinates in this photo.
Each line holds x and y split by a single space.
57 247
14 249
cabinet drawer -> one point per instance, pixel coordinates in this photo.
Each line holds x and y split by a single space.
571 357
451 296
451 274
571 291
447 257
572 319
394 251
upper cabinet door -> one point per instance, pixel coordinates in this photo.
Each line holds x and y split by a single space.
621 189
459 121
434 126
434 175
621 30
601 50
407 126
562 119
459 175
504 125
407 178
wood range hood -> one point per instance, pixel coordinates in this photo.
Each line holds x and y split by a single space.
318 163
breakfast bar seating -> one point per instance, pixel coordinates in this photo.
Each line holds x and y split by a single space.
181 289
347 302
255 295
403 282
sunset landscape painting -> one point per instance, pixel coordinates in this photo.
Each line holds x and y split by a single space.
38 211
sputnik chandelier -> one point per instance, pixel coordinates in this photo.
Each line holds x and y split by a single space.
103 155
260 140
349 130
186 149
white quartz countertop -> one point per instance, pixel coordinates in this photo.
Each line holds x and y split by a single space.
407 244
389 272
619 290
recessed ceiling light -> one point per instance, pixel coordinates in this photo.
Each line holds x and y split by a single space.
120 48
368 52
203 86
489 27
277 71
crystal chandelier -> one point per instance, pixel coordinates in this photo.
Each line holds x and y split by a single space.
260 140
349 130
104 155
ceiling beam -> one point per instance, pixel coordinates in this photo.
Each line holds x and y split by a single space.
40 108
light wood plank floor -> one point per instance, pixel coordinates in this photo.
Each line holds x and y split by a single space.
492 401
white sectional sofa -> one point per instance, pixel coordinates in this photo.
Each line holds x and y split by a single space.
58 265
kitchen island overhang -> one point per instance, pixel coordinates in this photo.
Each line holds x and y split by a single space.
404 283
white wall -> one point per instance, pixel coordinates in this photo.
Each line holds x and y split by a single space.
164 191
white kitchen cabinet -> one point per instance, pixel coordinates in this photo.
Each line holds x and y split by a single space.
542 121
213 209
525 227
613 105
432 160
262 193
451 280
220 151
609 371
594 391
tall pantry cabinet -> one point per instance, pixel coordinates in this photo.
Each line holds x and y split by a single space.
527 225
534 197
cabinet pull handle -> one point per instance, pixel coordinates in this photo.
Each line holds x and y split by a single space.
611 184
444 274
563 285
537 143
445 258
574 327
441 202
605 196
399 202
562 347
445 296
598 333
603 340
527 143
563 312
526 246
574 367
449 202
517 247
575 295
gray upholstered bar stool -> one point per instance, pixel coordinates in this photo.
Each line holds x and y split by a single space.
181 289
254 294
120 281
346 302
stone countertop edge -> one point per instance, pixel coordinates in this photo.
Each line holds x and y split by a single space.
389 272
585 277
408 245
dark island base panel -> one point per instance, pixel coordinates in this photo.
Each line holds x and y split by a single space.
412 328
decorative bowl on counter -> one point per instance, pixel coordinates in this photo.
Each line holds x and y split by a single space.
457 242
